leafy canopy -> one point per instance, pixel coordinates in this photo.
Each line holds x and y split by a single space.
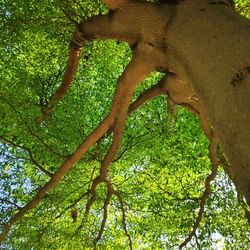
159 171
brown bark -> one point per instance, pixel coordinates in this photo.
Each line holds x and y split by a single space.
215 56
115 4
69 74
206 45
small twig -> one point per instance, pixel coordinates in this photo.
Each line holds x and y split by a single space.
91 201
197 241
10 202
31 131
167 192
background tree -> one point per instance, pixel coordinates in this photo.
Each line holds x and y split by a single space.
154 193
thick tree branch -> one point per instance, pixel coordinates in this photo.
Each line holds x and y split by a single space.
135 72
106 124
76 46
126 24
147 95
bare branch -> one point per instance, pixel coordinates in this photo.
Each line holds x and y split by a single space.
135 72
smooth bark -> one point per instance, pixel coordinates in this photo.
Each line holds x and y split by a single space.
205 45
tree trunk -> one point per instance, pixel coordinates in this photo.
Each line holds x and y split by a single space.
209 46
203 45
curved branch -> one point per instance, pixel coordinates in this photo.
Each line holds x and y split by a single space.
135 72
76 46
124 219
147 95
214 160
104 220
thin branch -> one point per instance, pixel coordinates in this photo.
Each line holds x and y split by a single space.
167 192
104 220
30 155
124 219
214 160
30 129
92 199
10 202
197 242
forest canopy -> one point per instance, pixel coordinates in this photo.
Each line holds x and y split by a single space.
157 190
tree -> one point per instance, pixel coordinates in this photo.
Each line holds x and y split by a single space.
202 67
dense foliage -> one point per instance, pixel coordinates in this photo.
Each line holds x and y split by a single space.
161 167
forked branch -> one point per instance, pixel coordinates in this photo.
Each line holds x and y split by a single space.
99 132
147 95
135 72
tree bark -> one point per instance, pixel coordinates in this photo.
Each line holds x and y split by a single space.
209 46
206 45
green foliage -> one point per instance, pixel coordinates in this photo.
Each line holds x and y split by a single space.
160 169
